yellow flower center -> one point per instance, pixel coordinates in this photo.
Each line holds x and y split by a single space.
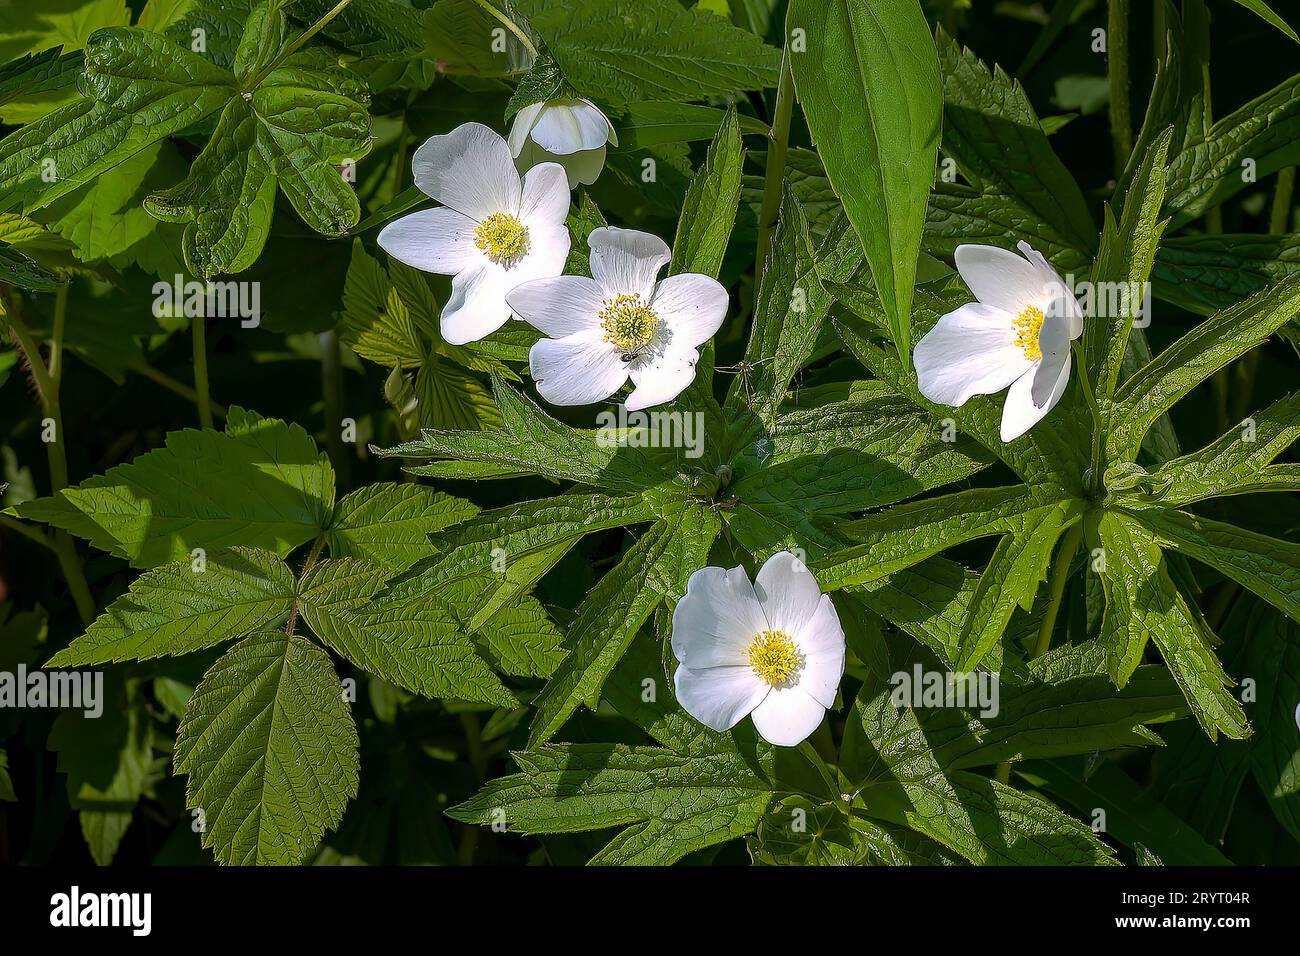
774 658
502 237
1028 324
629 324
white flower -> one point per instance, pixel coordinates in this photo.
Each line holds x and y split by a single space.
773 650
572 133
492 232
619 324
1017 334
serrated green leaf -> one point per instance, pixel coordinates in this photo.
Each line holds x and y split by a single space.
375 322
271 751
177 609
1142 601
416 644
654 569
262 484
620 51
709 212
1204 274
391 523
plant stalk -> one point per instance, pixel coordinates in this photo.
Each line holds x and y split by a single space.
510 25
297 44
1121 120
201 391
778 142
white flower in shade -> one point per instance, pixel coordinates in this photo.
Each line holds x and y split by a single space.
773 650
572 133
620 324
493 231
1017 334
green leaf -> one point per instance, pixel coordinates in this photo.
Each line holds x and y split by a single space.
709 212
1128 251
670 804
185 607
1274 658
909 533
1213 344
271 751
262 484
792 285
391 523
1263 10
6 785
110 763
654 569
1233 465
1142 602
292 126
1206 273
620 51
870 88
416 644
993 134
1270 567
1209 169
1132 816
375 322
826 836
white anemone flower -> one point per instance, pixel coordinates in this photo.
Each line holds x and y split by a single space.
620 324
773 650
1018 334
573 133
493 231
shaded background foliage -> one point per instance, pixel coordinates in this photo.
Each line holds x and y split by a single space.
104 790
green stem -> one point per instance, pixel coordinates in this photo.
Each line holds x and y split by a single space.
1060 574
1095 462
33 534
172 385
510 25
813 757
297 44
778 140
47 388
1279 220
1121 121
201 371
331 371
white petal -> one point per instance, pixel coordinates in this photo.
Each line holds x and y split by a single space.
971 351
548 250
692 306
1020 413
1004 280
661 377
627 260
477 306
577 370
559 306
787 716
1060 300
821 641
545 199
566 128
524 122
583 168
469 169
1050 378
437 240
788 592
714 624
719 697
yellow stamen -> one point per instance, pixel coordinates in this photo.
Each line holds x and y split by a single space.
502 237
629 324
774 657
1028 324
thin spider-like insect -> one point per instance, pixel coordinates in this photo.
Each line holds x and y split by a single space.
744 369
